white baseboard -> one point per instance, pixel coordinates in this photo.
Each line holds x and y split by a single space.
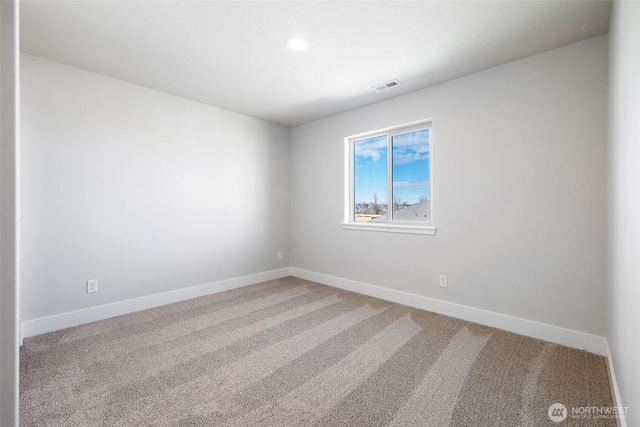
56 322
615 392
570 338
580 340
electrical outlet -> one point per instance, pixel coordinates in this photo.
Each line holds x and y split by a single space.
279 255
444 283
92 286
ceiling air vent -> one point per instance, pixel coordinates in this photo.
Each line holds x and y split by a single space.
387 85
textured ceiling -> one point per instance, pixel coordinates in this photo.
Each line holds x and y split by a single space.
232 54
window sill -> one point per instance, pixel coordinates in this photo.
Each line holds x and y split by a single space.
391 228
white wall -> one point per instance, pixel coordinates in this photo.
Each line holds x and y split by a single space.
9 208
144 191
624 289
519 178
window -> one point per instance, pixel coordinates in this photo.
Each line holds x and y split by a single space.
389 180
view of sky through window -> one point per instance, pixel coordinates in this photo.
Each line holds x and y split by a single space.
370 158
410 168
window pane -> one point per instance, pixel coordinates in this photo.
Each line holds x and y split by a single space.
411 176
370 175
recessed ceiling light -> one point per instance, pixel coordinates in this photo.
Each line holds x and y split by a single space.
297 43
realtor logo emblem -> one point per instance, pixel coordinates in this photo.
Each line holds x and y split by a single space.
557 412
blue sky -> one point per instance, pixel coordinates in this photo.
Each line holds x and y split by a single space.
411 169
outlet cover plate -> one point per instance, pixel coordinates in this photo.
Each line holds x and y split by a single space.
92 286
444 282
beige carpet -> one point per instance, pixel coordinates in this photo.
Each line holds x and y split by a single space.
290 352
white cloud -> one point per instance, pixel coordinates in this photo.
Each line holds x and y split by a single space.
372 148
407 148
404 184
411 147
412 139
372 154
401 158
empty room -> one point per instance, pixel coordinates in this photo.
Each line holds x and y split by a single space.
320 213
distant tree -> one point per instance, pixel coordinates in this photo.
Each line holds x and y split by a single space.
397 203
376 206
423 198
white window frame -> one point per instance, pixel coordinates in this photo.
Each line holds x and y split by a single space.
392 226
